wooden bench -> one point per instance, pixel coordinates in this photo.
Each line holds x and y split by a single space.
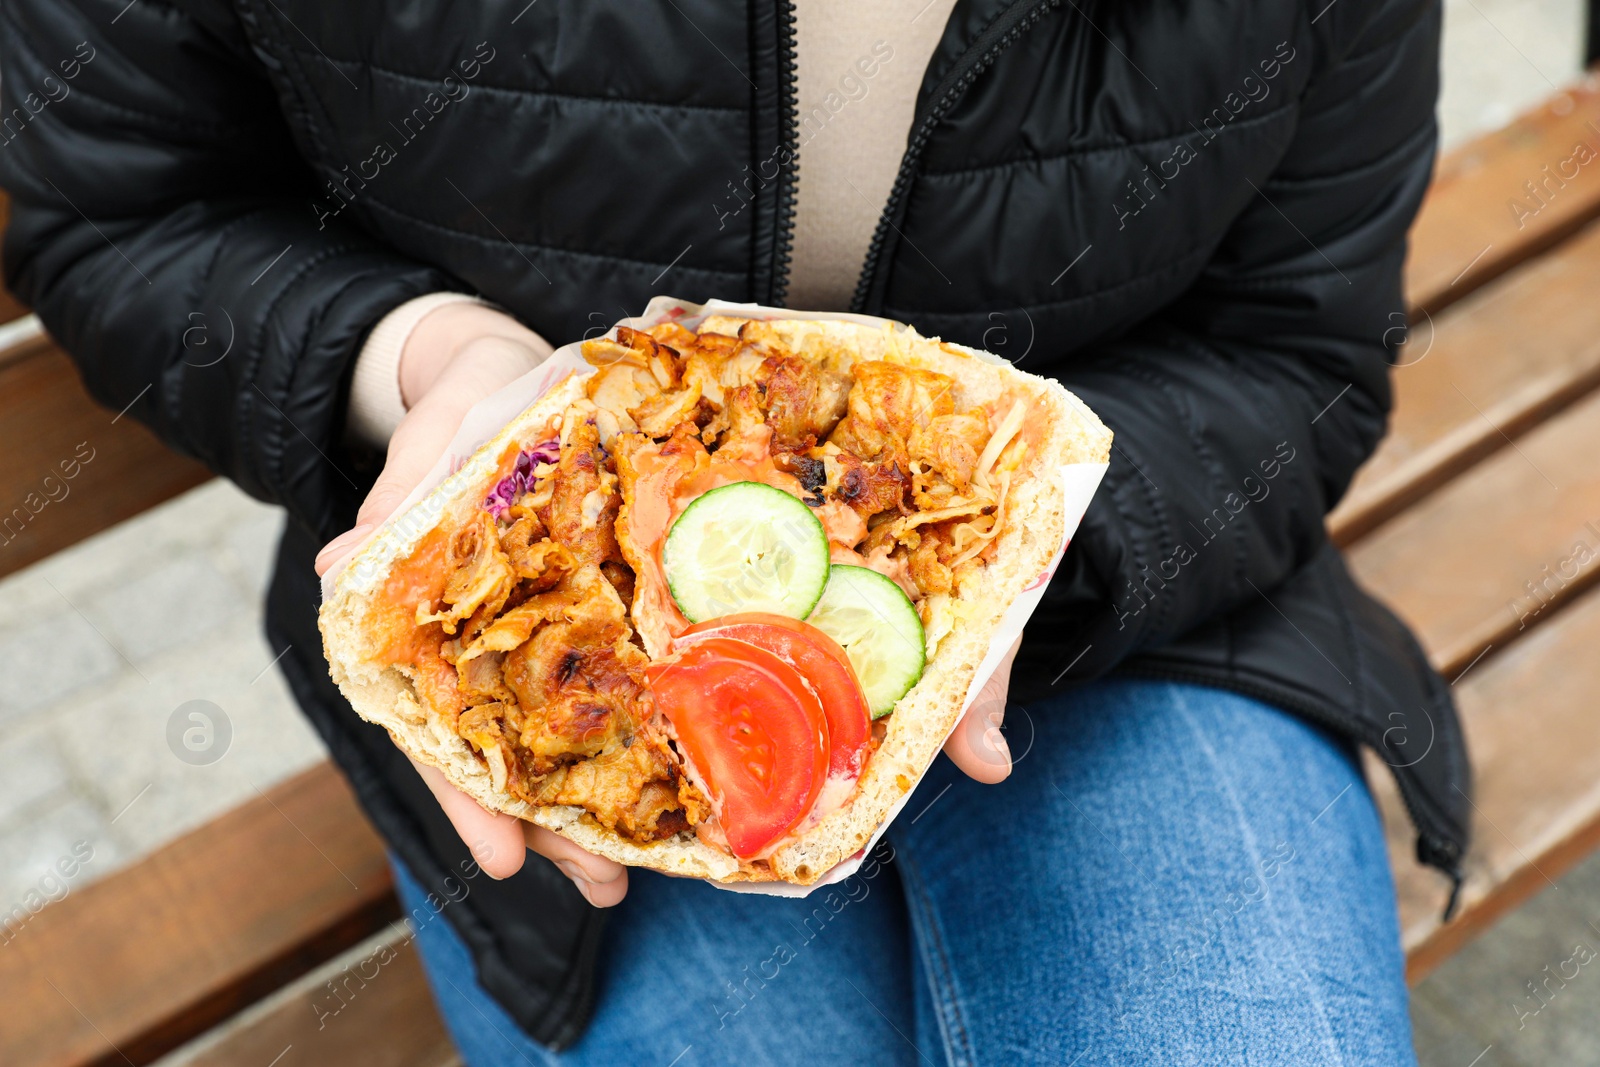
1478 519
225 941
234 921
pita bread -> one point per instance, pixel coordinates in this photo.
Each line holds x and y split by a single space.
1062 431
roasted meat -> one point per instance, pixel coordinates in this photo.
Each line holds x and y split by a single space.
538 562
577 680
554 688
804 403
480 680
480 580
869 488
951 445
632 788
887 403
581 514
552 598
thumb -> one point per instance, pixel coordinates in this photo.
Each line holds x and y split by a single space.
494 839
977 746
418 441
341 546
481 367
478 369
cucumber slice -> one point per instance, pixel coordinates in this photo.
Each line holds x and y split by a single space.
746 546
878 627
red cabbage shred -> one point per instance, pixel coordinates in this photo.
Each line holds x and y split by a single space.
520 480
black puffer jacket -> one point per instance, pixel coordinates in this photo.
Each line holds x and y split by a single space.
1193 214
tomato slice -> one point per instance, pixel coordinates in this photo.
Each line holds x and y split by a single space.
821 661
753 729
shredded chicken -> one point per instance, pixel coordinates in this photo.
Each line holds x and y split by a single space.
930 560
659 414
578 677
718 365
868 487
634 789
804 403
480 679
518 624
617 389
480 581
484 726
951 445
582 471
887 403
540 564
551 600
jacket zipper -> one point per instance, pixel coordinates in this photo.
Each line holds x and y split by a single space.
788 125
979 56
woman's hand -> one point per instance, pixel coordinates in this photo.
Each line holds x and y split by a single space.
499 843
977 746
457 355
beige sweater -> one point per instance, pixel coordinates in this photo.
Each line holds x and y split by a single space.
860 63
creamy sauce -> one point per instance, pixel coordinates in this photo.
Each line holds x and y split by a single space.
836 792
842 523
897 571
746 458
648 515
668 484
419 577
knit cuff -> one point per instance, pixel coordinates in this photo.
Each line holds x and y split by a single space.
376 407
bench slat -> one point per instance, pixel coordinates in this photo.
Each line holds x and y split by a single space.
1469 231
1457 564
10 307
367 1006
47 420
1481 375
21 338
1534 736
145 959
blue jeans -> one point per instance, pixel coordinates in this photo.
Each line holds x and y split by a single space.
1171 875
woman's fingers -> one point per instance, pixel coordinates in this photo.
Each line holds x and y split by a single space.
418 441
478 369
602 882
495 840
500 843
341 546
978 747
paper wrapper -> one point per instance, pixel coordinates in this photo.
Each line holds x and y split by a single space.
489 415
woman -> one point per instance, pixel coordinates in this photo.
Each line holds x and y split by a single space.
1193 215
